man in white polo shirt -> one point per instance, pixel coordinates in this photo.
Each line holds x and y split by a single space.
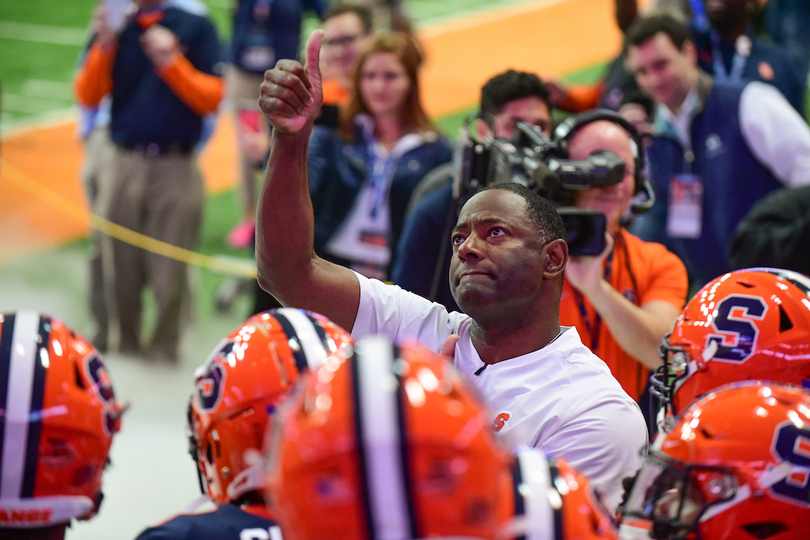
545 389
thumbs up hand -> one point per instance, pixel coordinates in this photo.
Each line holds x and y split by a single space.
291 94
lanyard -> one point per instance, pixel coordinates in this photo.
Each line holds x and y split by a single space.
379 176
596 328
742 50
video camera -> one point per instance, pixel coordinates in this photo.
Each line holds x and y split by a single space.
531 159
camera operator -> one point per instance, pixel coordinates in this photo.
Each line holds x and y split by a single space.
506 99
623 300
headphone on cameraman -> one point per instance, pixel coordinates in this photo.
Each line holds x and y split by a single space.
643 195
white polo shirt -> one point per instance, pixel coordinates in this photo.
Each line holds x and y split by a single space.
561 398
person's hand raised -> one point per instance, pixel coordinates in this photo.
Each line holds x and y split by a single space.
291 94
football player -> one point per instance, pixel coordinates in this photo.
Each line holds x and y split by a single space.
236 393
58 415
750 324
735 466
388 444
552 500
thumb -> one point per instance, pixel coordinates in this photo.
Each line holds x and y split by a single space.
448 351
313 67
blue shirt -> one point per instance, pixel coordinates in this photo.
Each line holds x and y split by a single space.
144 109
265 31
227 522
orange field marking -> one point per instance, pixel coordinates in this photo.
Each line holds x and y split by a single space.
555 36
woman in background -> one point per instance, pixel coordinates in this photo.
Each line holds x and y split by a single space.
362 173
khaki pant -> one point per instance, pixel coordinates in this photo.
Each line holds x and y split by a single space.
160 197
98 151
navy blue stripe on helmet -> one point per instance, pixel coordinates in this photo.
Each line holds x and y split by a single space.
37 399
6 337
517 481
295 343
361 447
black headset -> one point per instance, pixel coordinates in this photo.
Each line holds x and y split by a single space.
643 195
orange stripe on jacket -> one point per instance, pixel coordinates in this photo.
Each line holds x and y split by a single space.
94 80
200 91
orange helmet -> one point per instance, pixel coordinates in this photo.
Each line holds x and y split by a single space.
745 325
58 418
552 500
736 465
388 443
239 387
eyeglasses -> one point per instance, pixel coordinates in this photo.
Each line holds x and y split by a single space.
342 41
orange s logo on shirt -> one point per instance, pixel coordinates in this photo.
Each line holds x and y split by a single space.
500 420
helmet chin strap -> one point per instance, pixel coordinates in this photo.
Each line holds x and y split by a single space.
709 352
250 479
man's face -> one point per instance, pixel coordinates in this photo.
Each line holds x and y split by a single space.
530 109
613 200
343 41
497 259
662 70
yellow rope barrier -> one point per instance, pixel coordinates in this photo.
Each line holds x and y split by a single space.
66 206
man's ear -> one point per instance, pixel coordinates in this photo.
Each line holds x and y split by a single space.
556 258
690 51
482 129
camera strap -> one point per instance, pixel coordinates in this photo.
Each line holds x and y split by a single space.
595 328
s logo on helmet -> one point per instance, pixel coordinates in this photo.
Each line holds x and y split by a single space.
734 317
97 373
792 444
212 381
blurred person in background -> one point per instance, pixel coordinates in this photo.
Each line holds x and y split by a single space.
162 68
347 30
362 174
718 147
624 299
263 32
775 233
730 50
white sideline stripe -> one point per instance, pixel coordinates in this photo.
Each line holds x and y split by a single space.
311 343
20 103
43 33
10 127
48 89
18 402
378 406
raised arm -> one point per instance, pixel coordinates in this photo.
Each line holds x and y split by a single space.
288 268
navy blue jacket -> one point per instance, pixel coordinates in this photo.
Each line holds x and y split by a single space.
423 236
269 23
733 180
228 522
786 77
338 169
144 109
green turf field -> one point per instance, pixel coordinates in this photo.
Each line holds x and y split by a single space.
40 41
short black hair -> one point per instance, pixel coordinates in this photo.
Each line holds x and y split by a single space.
509 86
646 28
538 209
362 13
